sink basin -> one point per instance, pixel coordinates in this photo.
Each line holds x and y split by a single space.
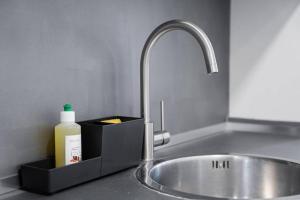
222 177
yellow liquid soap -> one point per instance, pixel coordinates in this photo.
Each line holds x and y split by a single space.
67 139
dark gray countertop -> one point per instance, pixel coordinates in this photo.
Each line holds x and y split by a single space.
272 141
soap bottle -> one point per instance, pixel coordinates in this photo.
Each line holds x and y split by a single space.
67 138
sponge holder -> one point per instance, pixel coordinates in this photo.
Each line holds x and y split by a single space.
106 149
119 145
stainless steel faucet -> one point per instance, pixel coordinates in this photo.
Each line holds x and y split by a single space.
163 136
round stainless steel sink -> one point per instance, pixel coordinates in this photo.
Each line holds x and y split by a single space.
222 177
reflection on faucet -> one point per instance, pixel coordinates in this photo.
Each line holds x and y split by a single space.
163 136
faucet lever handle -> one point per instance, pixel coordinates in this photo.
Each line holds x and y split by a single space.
162 115
162 137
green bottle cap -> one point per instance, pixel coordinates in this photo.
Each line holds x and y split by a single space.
68 107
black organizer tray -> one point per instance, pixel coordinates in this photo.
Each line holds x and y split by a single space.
106 149
42 176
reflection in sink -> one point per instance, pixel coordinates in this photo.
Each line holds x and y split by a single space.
223 176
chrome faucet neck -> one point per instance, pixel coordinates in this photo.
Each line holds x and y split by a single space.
210 61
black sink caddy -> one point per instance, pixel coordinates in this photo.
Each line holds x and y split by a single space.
106 149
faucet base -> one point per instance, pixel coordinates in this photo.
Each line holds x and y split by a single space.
148 141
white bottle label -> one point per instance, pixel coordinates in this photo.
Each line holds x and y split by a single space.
72 149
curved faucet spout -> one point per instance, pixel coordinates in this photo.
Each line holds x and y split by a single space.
209 57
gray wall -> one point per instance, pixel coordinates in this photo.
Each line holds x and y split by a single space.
87 53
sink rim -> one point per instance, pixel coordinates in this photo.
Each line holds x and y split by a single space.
143 175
